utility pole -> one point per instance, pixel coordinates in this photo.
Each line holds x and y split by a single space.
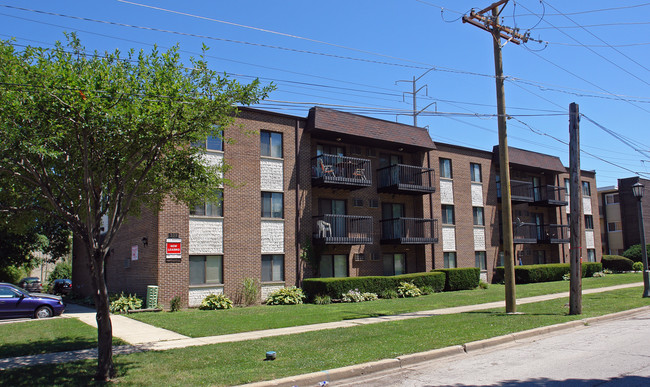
415 93
575 290
491 24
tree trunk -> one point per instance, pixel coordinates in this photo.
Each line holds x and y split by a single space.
105 369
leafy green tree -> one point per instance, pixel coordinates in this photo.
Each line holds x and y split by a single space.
635 253
101 135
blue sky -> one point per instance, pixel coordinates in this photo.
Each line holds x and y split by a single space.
350 55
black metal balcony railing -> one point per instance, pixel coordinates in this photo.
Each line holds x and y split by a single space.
524 233
409 231
550 195
341 171
553 233
546 233
400 178
342 229
521 191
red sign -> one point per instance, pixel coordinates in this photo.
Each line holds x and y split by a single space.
173 250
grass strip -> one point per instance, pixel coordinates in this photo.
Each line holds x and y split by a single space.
220 322
45 336
242 362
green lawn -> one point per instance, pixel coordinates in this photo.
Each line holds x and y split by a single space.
211 323
44 336
242 362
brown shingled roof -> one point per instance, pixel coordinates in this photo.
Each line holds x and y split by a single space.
527 159
370 130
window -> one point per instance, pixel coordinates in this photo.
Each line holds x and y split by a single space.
394 264
272 205
614 226
445 168
373 203
212 143
333 265
357 202
540 257
330 150
478 216
206 269
447 214
567 186
591 255
272 267
589 222
214 209
475 172
449 260
498 180
500 259
359 257
271 144
611 198
586 189
480 260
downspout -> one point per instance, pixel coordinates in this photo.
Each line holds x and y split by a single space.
433 256
297 232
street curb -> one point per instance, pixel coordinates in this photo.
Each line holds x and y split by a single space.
357 370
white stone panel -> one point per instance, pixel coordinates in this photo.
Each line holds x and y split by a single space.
198 294
477 194
483 276
479 238
589 239
272 236
586 206
268 289
214 159
446 192
271 175
448 238
206 236
568 205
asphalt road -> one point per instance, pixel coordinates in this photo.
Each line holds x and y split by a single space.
612 353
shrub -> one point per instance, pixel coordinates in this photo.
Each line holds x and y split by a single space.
62 270
389 294
599 274
175 304
251 291
617 263
464 278
369 296
426 289
336 287
483 285
215 301
527 274
635 253
12 274
352 296
286 296
566 277
322 300
122 303
408 289
607 271
637 266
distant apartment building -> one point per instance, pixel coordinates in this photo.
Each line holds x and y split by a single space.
619 217
336 194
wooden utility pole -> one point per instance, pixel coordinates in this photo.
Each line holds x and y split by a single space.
575 292
491 24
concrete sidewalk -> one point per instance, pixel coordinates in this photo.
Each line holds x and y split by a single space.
145 337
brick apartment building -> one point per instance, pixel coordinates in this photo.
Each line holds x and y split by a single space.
355 196
619 217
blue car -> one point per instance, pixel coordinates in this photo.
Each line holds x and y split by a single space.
16 302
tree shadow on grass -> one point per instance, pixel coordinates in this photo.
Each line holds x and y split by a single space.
627 381
504 314
38 347
80 373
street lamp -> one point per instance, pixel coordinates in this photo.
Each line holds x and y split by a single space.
637 190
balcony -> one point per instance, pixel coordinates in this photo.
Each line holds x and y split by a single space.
524 233
549 196
553 233
406 179
409 231
531 233
340 172
332 229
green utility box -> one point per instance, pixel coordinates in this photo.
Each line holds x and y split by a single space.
152 296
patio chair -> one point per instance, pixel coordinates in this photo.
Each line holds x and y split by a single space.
324 229
327 170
